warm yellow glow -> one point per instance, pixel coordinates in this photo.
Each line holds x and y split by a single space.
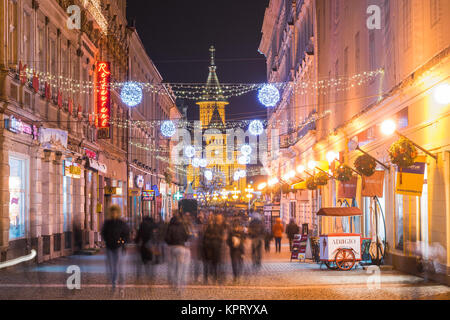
301 169
441 94
249 196
262 186
331 156
312 165
388 127
273 181
288 176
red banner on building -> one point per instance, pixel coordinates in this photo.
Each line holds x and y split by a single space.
103 99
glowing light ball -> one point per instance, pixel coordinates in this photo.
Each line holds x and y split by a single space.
244 160
168 128
131 94
246 149
237 176
208 175
256 127
242 173
442 94
189 151
203 163
388 127
269 95
196 162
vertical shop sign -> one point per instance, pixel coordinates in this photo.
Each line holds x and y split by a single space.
103 99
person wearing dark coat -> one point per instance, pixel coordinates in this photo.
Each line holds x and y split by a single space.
145 241
235 242
115 232
212 247
179 256
256 233
291 230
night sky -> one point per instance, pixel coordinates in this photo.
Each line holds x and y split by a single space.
177 35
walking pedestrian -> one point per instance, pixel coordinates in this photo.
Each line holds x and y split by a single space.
212 245
267 239
256 233
115 232
235 241
146 243
277 231
179 255
291 230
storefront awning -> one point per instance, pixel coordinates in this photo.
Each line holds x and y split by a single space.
340 212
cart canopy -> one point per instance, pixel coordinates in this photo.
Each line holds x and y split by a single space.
340 212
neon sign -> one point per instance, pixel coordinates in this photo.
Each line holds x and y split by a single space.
103 99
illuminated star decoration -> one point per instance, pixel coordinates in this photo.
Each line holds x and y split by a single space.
196 162
244 160
131 94
203 163
208 175
189 151
269 95
168 129
246 149
256 127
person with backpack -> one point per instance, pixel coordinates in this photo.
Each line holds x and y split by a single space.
115 232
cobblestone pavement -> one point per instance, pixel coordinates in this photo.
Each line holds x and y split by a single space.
278 279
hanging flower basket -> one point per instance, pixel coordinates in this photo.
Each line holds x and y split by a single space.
403 153
286 188
321 179
343 173
366 165
311 184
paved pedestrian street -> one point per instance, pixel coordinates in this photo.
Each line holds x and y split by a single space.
278 279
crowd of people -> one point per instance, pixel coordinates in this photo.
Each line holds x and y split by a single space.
204 242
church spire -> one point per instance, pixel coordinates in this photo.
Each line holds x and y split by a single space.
213 90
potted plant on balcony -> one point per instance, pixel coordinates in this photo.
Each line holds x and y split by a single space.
343 173
366 165
321 179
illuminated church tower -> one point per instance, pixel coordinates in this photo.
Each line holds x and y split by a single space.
212 118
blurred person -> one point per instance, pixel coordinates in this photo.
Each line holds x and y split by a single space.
256 233
212 246
179 255
291 230
145 239
277 231
115 233
160 236
235 241
268 236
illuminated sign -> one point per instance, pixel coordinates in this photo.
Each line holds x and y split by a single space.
103 99
113 191
140 181
17 126
148 195
72 170
90 154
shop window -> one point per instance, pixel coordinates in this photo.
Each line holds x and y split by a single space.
18 197
399 222
67 202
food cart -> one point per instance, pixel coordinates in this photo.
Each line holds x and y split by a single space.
340 250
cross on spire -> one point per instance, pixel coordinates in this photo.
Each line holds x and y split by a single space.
212 50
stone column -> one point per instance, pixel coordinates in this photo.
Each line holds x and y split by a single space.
4 196
94 200
58 196
79 213
48 200
36 213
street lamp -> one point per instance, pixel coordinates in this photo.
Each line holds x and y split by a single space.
441 94
262 186
331 156
388 127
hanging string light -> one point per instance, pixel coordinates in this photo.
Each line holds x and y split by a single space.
246 149
256 127
189 151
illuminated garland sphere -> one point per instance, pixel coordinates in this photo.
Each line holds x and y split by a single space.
168 129
196 162
131 94
189 151
203 163
246 149
256 127
242 173
244 160
237 176
208 175
269 95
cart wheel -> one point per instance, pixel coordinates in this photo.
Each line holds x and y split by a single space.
330 265
345 259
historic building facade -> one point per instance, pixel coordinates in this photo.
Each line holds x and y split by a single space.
63 155
402 69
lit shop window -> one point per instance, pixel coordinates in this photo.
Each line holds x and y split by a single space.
17 198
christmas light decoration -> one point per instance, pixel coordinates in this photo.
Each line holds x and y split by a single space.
208 175
168 129
189 151
196 162
269 95
244 160
131 94
256 127
246 149
242 173
203 163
